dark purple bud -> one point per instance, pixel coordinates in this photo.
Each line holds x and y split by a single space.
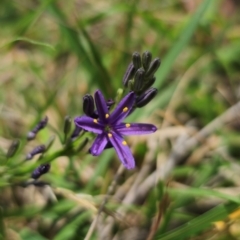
148 84
95 114
129 74
76 132
35 151
67 125
13 148
155 64
146 59
138 80
39 171
136 59
146 97
88 105
110 102
32 134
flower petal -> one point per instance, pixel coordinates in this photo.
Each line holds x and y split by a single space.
135 128
99 144
101 106
123 151
89 124
123 108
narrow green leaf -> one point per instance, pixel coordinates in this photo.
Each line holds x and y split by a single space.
104 160
2 228
32 41
181 43
77 46
201 192
69 230
199 224
27 234
105 79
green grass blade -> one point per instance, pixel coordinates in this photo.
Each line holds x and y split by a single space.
104 80
181 43
28 40
77 46
198 224
201 192
102 166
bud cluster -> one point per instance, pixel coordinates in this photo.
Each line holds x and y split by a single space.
40 149
139 77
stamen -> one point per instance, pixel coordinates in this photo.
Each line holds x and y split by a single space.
124 143
125 109
107 115
109 135
95 121
128 125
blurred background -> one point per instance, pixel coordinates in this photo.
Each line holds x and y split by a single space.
186 183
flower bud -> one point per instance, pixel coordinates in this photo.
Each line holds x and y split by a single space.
32 134
13 148
155 64
75 132
138 80
136 59
39 171
146 97
88 105
35 151
148 84
109 103
67 125
129 74
146 59
130 85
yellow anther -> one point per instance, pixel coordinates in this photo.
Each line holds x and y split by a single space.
125 109
128 125
95 121
109 134
107 115
124 143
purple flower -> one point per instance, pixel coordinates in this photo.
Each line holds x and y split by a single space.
110 128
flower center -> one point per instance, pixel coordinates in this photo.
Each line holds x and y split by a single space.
107 128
